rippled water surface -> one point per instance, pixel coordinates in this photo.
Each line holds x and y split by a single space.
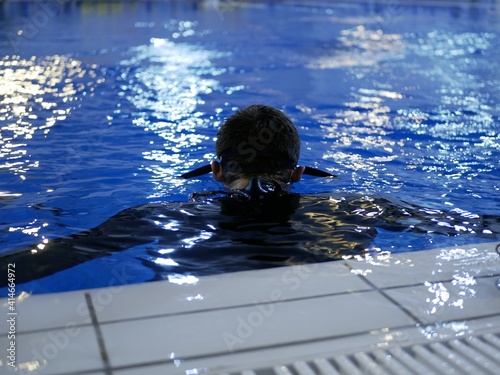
103 105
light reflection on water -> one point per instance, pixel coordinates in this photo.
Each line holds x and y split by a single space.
361 47
35 95
167 89
444 139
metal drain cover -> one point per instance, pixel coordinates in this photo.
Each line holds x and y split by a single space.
473 355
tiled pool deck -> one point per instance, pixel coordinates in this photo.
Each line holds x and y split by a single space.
328 318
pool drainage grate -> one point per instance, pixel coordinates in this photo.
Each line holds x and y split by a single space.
473 355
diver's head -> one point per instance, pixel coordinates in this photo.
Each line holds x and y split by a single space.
257 141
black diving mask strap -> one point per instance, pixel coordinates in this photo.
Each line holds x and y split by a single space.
310 171
197 172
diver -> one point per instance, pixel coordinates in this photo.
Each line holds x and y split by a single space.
256 221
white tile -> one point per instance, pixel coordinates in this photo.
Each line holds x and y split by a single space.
45 311
56 352
223 331
463 298
389 270
232 289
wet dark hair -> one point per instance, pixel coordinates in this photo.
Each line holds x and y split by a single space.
258 139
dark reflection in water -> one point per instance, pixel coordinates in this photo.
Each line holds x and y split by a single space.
217 232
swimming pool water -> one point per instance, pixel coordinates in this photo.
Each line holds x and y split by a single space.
103 105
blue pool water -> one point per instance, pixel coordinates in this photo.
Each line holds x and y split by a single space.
103 105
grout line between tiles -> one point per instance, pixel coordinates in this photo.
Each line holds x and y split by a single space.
392 287
401 307
100 338
42 330
249 304
387 297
